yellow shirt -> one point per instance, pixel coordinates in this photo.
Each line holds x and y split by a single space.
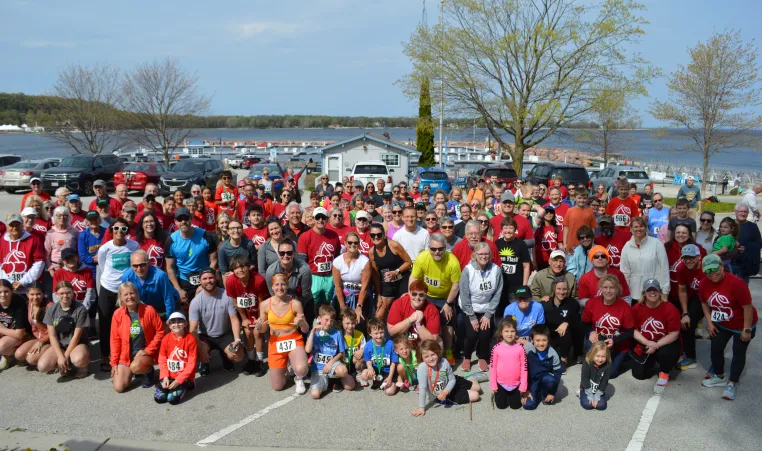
439 276
355 343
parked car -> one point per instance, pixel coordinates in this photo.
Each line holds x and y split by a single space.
505 175
609 175
546 171
137 175
78 172
432 176
370 171
249 162
255 172
18 175
194 171
233 162
7 160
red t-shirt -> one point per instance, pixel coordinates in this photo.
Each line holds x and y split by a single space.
462 251
279 211
561 210
546 240
81 280
726 300
19 256
622 211
321 250
523 228
609 319
114 206
230 195
365 243
244 205
258 236
41 225
78 221
674 258
691 279
267 207
402 309
158 208
248 297
614 245
341 231
211 215
587 287
155 251
43 195
655 323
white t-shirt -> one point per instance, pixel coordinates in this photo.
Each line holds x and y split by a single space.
750 200
114 261
413 243
351 273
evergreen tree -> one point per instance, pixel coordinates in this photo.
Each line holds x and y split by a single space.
424 131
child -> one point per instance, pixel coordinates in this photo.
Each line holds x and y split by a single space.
508 368
355 342
596 370
177 362
453 206
622 208
408 363
726 241
544 368
226 194
682 206
577 216
30 351
379 356
440 381
327 351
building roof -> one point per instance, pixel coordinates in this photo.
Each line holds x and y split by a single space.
373 137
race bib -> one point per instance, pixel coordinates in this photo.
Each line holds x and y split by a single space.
719 317
621 220
285 346
194 280
227 197
439 386
485 286
324 267
16 276
352 286
396 278
245 302
431 282
323 359
175 365
509 269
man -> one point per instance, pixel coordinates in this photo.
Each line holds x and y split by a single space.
357 188
465 215
622 208
658 215
242 206
412 237
152 283
440 271
414 192
295 227
340 190
572 190
61 194
121 193
256 232
515 263
558 182
464 249
476 192
188 251
36 185
370 207
299 277
612 239
226 194
693 193
682 217
507 206
577 216
646 200
378 196
556 201
749 199
292 185
114 206
543 280
77 215
215 324
152 190
319 247
746 261
336 224
588 283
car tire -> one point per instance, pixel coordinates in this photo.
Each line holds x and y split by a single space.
10 190
87 188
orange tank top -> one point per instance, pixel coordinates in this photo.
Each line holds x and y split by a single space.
281 322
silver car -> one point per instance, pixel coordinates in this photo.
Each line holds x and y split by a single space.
609 176
16 176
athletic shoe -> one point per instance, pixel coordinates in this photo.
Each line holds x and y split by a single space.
578 391
466 365
80 373
730 392
251 367
300 388
228 365
177 395
159 396
338 387
5 363
483 365
450 358
148 379
663 379
563 367
262 369
204 370
687 364
714 381
480 376
709 372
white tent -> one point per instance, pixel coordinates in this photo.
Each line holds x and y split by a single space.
9 128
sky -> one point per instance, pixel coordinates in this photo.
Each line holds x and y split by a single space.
332 57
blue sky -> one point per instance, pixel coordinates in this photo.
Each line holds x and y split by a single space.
337 57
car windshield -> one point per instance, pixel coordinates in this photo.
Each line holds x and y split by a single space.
365 169
571 174
138 167
500 173
271 168
189 166
634 174
76 162
434 175
24 165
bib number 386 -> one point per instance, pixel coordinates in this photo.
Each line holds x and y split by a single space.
285 346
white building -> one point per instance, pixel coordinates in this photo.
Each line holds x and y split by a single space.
339 158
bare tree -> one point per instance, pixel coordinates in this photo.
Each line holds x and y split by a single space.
612 111
711 101
163 100
88 99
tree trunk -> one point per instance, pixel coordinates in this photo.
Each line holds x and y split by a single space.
518 156
704 174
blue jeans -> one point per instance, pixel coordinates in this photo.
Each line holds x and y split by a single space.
540 388
587 405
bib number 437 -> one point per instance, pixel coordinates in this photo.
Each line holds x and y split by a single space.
285 346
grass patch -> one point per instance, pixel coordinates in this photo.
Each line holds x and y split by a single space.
717 207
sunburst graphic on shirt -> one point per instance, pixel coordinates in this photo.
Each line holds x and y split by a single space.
507 252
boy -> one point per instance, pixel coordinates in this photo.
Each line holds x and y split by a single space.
544 369
634 193
407 368
577 216
622 208
355 342
226 194
256 232
379 356
177 361
681 210
327 351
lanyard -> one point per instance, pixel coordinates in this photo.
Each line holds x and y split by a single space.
433 380
409 369
378 358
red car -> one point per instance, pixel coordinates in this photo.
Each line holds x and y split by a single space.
249 162
137 175
505 175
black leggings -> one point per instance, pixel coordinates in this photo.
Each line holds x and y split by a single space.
688 336
480 339
563 345
667 357
106 309
738 361
505 398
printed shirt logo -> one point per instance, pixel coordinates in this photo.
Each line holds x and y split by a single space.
80 287
673 271
608 325
79 225
653 328
324 254
155 255
614 253
14 264
549 241
695 283
720 303
40 228
258 240
622 215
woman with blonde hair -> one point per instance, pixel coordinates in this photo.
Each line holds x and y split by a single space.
223 220
42 222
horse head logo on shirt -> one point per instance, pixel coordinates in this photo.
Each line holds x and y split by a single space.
324 254
549 241
719 303
653 328
608 325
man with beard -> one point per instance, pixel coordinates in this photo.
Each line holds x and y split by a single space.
612 239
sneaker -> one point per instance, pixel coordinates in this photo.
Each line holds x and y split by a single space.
563 368
483 365
228 365
204 370
714 381
730 392
148 379
450 358
361 381
80 373
480 376
262 369
466 365
159 396
687 364
176 395
300 388
338 387
5 362
663 379
251 367
578 391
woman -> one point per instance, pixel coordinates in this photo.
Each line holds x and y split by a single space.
223 220
31 351
643 257
285 317
136 334
440 209
447 228
562 318
481 285
358 204
60 236
236 244
476 207
13 320
351 276
431 222
396 222
179 198
390 260
578 263
66 322
42 221
595 205
386 213
601 194
705 235
657 329
23 255
315 199
150 237
548 237
674 248
689 276
113 260
487 232
268 251
370 190
611 320
279 208
323 189
307 218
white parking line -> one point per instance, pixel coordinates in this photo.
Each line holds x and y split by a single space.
233 427
649 411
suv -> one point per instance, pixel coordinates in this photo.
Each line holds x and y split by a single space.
78 172
193 171
609 175
505 175
432 176
546 171
370 171
7 160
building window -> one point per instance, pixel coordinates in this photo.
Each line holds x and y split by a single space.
391 159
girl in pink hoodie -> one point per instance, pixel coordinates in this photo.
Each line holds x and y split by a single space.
508 368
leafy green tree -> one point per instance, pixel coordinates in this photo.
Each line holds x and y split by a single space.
424 131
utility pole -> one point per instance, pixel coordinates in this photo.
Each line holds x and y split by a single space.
441 89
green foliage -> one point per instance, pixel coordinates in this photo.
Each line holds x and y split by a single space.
424 131
717 207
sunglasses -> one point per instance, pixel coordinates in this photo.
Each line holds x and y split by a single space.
395 192
182 219
320 218
375 236
437 249
484 221
707 221
712 271
396 212
430 219
418 295
337 216
140 265
446 227
361 219
599 257
123 229
658 200
586 237
286 253
49 208
353 243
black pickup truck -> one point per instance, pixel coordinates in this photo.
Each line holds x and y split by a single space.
78 172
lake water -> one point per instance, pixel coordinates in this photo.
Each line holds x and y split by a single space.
640 145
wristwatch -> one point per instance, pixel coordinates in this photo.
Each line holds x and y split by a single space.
684 315
747 330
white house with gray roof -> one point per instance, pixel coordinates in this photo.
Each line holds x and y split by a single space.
339 158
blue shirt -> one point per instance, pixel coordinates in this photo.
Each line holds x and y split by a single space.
87 247
191 255
455 213
657 219
156 291
382 356
326 347
525 320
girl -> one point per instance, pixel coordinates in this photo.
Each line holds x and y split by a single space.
359 204
31 350
268 252
210 208
487 232
596 370
177 361
223 220
248 288
66 322
440 381
726 241
150 237
705 235
408 363
453 206
549 237
508 368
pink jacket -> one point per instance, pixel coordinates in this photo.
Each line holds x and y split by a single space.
508 366
57 240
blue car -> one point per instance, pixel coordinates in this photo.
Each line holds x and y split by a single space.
434 177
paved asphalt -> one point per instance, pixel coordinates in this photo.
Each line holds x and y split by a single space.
688 415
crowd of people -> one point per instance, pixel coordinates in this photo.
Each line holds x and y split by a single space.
391 288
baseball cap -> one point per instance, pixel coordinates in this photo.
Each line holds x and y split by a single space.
651 283
549 209
690 177
129 207
28 211
91 214
711 263
319 211
558 253
358 183
362 214
149 196
102 203
68 253
370 200
99 183
176 315
420 206
73 197
241 183
523 292
507 196
35 179
410 198
387 195
207 270
15 218
690 250
182 212
606 218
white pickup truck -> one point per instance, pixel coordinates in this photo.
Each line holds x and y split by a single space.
370 171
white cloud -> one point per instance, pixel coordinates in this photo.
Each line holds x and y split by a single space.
45 44
252 29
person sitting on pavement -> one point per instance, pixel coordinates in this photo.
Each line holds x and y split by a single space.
562 316
178 356
588 283
67 323
413 315
153 285
526 312
543 280
30 351
13 324
136 334
327 347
